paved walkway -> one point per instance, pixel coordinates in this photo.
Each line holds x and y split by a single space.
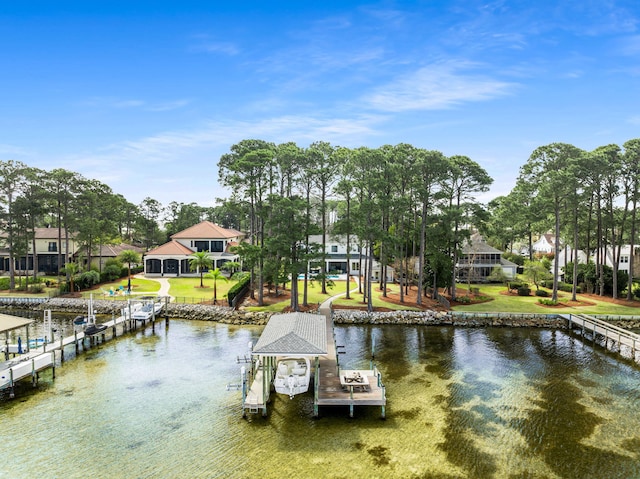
325 306
164 285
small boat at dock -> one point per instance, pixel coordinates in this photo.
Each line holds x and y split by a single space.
292 376
148 311
91 328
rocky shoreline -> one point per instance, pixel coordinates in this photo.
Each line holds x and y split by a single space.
223 314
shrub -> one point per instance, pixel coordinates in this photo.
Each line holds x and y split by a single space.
547 302
4 283
111 273
463 299
88 279
36 288
542 293
236 288
524 290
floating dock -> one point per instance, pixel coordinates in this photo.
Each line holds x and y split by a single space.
307 335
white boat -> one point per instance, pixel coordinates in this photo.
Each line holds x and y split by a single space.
292 376
147 311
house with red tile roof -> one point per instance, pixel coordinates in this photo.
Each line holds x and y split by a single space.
172 258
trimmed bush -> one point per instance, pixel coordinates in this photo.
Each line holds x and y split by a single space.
236 288
542 293
524 290
547 302
36 288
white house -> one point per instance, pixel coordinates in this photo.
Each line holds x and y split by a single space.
336 257
172 258
545 244
625 258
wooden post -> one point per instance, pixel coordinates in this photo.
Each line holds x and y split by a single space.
53 365
316 388
34 376
11 391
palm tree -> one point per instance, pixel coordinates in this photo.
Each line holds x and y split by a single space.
230 266
130 257
216 275
70 269
200 260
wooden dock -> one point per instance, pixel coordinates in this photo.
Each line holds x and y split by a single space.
613 337
28 365
332 386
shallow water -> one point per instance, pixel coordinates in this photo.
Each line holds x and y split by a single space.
477 403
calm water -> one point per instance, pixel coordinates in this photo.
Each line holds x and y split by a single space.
476 403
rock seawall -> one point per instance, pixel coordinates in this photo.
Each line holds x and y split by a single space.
228 315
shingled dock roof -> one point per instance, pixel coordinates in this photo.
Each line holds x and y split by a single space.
293 334
9 322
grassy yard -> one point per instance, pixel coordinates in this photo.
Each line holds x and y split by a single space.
188 290
529 304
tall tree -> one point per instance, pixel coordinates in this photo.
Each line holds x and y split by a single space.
548 170
631 171
463 179
11 181
324 168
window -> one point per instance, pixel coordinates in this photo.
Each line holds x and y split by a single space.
355 266
624 259
334 248
201 246
53 246
217 246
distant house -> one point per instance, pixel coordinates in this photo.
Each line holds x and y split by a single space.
336 257
545 244
478 260
110 251
172 258
46 250
624 261
566 256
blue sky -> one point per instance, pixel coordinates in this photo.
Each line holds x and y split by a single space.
146 96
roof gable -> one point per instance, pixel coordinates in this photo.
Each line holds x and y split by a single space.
205 229
170 248
293 334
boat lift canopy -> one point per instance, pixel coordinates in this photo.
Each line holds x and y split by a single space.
9 323
293 334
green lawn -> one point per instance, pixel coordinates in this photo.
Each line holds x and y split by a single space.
189 290
529 304
314 295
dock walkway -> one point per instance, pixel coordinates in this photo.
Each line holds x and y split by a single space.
331 391
43 357
613 337
332 386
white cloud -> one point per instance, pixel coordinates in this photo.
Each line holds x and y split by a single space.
438 86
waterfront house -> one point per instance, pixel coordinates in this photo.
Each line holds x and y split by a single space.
477 260
172 258
336 250
50 252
